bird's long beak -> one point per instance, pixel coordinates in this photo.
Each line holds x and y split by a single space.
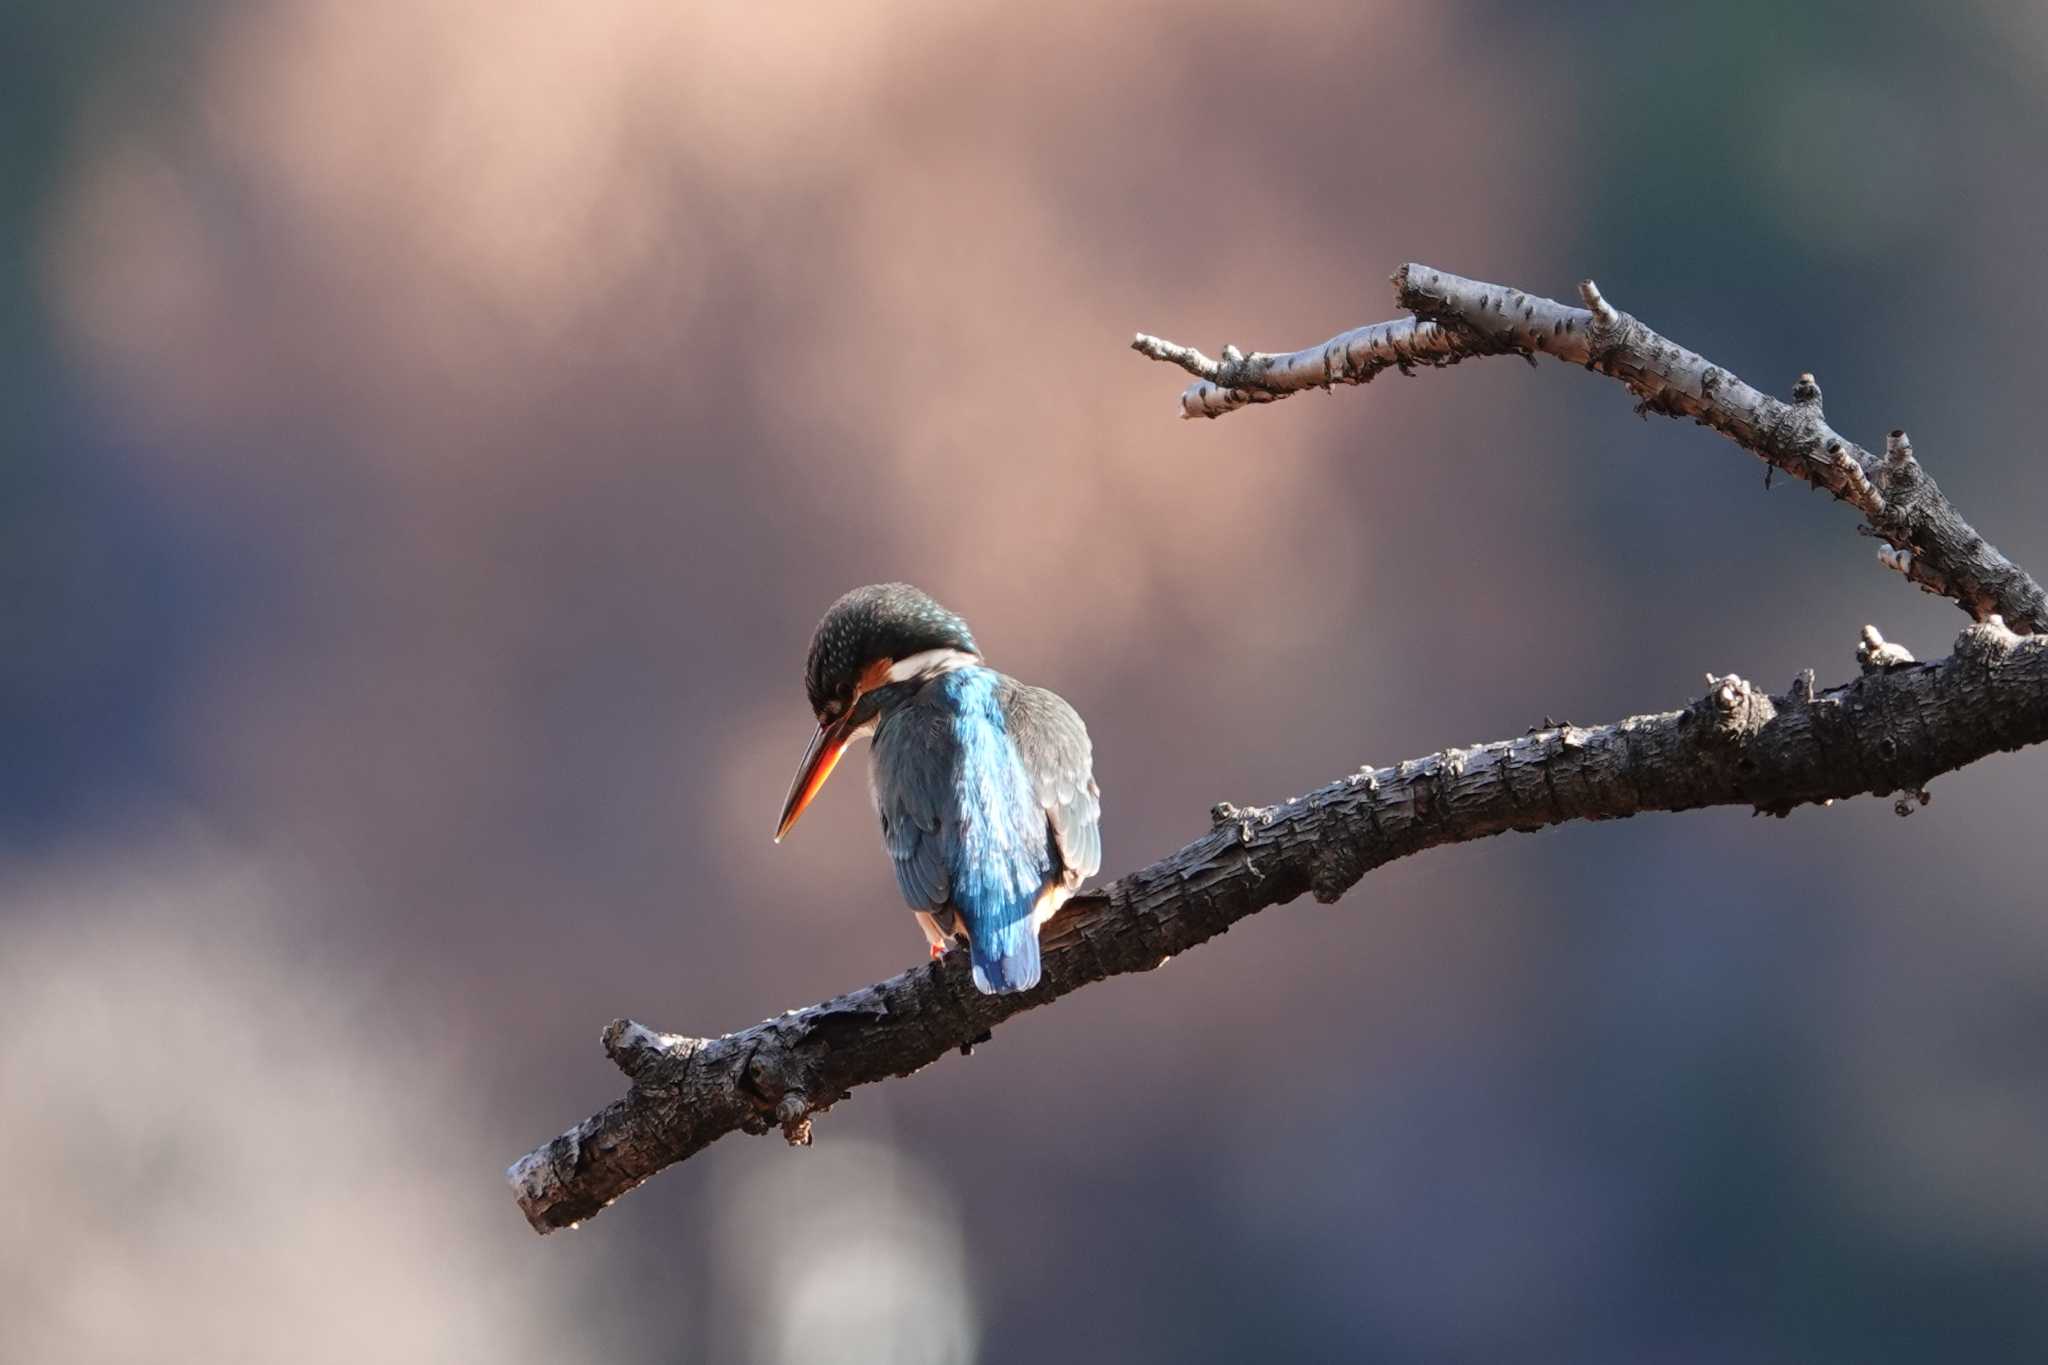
819 760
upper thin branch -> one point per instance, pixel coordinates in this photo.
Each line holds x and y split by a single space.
1891 730
1455 319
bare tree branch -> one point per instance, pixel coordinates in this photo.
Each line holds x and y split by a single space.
1892 730
1456 319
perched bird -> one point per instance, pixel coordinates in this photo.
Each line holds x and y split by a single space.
988 804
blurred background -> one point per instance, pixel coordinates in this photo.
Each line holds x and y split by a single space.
433 431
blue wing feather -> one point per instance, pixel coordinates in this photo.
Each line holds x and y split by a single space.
909 777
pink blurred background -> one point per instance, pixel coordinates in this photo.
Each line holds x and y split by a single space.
437 427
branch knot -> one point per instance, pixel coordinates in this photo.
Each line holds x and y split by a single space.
1875 654
794 1115
1987 641
1223 815
1735 709
642 1053
1336 870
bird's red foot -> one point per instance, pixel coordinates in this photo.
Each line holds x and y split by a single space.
937 951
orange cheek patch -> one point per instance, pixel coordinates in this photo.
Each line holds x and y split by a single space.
875 675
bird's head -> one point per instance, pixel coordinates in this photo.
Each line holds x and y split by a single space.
876 646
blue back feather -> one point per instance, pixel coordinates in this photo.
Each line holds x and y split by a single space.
997 859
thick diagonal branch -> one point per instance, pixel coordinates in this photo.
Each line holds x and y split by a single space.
1891 730
1455 319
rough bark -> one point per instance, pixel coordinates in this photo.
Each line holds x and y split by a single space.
1455 319
1891 730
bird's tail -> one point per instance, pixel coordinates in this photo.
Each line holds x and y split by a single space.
1006 960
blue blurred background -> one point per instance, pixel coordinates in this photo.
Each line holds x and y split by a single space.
434 429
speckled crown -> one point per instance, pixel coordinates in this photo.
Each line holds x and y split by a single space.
880 621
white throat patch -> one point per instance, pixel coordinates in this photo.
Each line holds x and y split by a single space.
930 664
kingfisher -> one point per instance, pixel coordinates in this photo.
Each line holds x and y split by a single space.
984 785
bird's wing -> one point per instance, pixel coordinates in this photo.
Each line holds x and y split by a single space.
910 773
1053 743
